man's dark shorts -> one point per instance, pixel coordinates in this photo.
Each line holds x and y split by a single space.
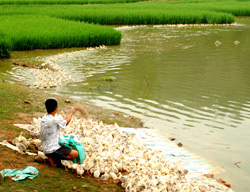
59 154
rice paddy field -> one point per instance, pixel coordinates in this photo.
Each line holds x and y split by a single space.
25 25
25 2
43 32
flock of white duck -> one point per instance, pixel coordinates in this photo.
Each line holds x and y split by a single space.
51 75
114 155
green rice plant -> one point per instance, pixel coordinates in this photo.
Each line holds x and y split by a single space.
126 14
235 7
59 26
172 12
42 32
49 2
238 10
5 47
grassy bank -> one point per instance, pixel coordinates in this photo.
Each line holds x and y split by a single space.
49 178
14 107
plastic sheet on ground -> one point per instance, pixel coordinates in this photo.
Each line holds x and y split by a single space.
20 174
195 164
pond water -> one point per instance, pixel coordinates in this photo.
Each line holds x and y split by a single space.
177 80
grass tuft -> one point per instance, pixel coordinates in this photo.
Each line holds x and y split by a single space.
5 47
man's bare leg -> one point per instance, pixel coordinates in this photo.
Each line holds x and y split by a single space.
73 154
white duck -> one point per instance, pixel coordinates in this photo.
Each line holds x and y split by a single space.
80 171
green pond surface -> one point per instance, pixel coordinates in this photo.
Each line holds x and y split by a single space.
176 80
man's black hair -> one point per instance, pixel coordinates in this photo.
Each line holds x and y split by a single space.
51 105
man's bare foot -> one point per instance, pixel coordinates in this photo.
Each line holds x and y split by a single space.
52 162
